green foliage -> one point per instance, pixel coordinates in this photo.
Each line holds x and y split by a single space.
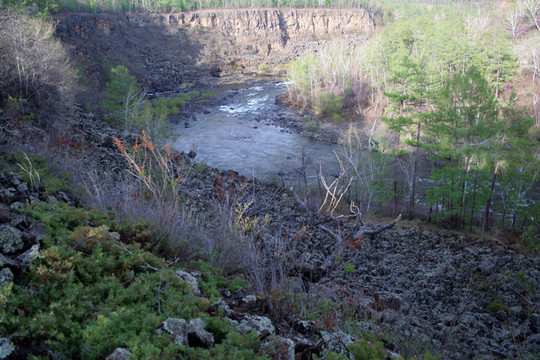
330 105
526 283
121 95
442 41
212 278
367 348
311 126
54 6
88 293
107 69
349 267
234 346
169 106
497 305
83 79
37 172
428 355
531 239
303 74
125 103
263 67
330 355
208 95
465 128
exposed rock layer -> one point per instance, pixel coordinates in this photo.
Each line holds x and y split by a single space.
164 50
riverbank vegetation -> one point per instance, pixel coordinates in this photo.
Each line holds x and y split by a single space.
456 90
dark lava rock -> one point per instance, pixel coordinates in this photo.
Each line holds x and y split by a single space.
11 239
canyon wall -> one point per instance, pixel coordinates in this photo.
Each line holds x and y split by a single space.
165 49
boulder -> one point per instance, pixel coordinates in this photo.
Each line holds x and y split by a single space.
221 304
10 239
190 280
534 323
533 344
337 342
6 348
279 348
119 354
5 261
5 276
29 255
189 334
177 328
197 335
261 324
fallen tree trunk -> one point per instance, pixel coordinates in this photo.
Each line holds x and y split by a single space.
313 273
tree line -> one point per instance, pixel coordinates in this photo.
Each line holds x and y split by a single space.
47 7
445 81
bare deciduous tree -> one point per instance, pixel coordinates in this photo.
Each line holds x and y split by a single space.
532 10
512 20
354 233
33 65
528 52
366 164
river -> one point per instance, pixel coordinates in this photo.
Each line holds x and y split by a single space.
240 132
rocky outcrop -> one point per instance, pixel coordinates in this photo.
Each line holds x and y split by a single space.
190 280
119 354
166 50
6 348
190 334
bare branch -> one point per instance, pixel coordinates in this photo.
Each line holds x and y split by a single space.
301 203
364 231
512 20
334 191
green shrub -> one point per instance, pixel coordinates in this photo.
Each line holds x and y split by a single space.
531 239
349 267
263 68
171 105
332 356
311 126
212 278
367 348
208 95
330 105
87 293
37 171
497 305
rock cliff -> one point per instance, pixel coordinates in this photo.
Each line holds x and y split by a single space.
166 49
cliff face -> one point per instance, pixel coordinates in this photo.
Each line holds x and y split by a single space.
166 49
271 30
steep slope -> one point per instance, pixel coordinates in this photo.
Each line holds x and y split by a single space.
164 50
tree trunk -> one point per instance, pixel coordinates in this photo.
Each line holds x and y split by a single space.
473 206
488 202
412 194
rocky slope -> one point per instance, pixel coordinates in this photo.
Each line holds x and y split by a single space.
422 288
166 50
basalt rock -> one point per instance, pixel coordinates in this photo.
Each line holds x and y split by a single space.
168 49
11 239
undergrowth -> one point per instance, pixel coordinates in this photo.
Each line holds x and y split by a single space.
91 290
36 171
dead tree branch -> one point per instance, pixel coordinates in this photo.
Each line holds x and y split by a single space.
313 273
334 191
